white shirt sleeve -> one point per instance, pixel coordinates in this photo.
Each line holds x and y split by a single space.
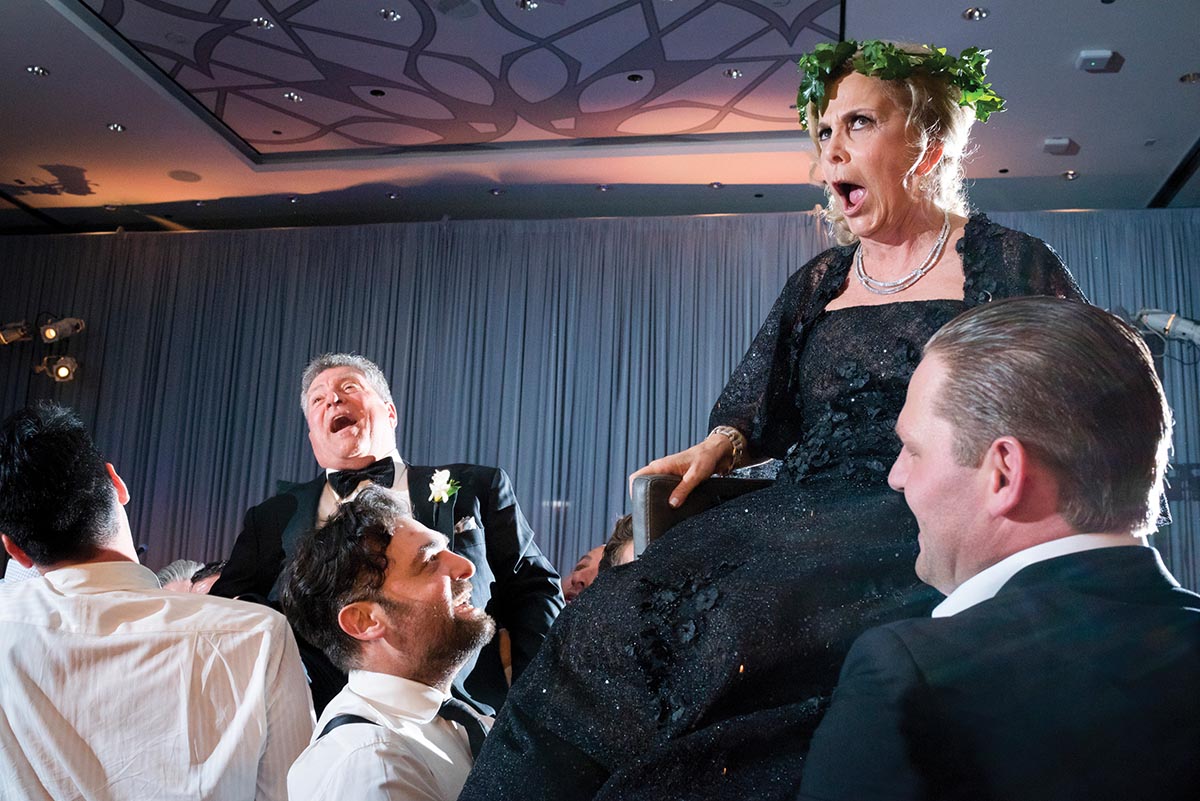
290 717
376 770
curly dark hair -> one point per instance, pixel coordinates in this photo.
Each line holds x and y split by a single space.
338 564
622 534
57 502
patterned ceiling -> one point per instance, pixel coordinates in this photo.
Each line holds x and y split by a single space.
330 78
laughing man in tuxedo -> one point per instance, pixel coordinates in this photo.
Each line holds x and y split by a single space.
352 429
1065 661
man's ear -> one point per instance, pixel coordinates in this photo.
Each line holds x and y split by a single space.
118 484
15 552
393 415
361 621
1007 465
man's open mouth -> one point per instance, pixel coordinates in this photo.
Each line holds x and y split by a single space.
340 422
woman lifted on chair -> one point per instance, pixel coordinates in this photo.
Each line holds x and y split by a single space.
701 670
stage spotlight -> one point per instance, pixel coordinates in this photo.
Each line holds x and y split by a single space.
55 330
14 332
60 368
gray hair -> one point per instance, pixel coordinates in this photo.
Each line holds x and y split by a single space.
1076 386
328 361
179 570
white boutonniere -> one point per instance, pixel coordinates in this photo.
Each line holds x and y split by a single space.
442 488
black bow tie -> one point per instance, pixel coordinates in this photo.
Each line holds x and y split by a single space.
455 710
381 472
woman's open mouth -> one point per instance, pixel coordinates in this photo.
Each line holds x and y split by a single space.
852 196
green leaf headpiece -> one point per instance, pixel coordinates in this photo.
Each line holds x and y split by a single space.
887 61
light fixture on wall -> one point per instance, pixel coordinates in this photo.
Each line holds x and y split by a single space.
57 330
60 368
14 332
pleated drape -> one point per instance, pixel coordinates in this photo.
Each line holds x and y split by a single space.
569 352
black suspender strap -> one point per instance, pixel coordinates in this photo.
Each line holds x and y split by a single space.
342 720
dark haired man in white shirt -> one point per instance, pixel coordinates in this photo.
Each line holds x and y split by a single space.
388 602
111 687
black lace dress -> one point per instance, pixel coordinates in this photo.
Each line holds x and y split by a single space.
701 670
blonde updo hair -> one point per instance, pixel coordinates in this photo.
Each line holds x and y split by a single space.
933 115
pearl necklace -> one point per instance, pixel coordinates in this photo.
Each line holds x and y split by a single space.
892 287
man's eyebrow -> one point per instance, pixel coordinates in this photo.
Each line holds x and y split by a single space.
438 543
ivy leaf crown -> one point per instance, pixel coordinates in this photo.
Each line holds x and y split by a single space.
885 60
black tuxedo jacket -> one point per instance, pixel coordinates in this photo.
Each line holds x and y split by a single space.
1080 679
513 581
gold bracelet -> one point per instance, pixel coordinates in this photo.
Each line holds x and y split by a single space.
736 438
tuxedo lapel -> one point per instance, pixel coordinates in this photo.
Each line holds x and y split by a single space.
308 496
437 516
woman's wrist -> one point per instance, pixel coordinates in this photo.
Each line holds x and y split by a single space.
735 445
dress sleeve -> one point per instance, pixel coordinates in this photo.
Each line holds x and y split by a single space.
759 398
1042 271
999 262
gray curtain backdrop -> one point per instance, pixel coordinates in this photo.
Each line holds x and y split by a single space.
569 352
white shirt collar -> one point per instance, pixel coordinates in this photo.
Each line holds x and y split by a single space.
102 577
986 583
393 695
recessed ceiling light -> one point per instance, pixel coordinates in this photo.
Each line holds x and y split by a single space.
733 72
393 195
758 194
602 187
262 22
199 202
116 127
293 199
975 13
496 191
293 96
527 5
110 208
633 77
1003 171
1190 77
34 69
390 14
716 185
1070 175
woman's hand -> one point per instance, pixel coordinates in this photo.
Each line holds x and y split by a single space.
694 465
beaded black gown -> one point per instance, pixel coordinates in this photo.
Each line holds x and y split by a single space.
701 670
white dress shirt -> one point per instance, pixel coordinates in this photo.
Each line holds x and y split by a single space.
112 688
329 501
986 583
413 755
